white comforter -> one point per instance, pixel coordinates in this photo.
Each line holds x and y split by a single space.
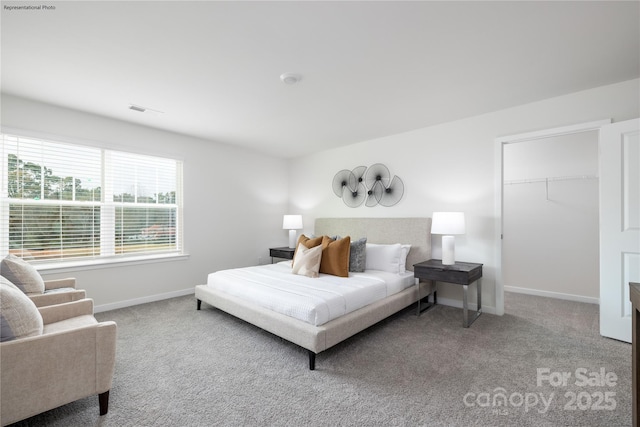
315 301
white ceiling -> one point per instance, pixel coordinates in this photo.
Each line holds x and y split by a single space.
369 69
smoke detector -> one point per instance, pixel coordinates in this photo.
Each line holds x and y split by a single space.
290 78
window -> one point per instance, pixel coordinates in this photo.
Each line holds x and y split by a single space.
62 202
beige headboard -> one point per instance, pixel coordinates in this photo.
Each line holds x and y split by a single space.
413 231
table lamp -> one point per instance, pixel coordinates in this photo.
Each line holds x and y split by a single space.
448 224
292 223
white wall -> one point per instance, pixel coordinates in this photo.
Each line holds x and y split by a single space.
234 200
451 167
551 237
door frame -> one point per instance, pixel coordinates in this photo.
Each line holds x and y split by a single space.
500 142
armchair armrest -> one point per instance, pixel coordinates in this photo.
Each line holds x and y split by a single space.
41 300
59 312
69 282
106 335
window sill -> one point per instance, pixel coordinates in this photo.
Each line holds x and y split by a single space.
71 266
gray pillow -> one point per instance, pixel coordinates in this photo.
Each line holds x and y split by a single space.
22 274
19 316
358 254
7 282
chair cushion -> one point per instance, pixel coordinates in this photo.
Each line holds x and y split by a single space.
19 317
22 274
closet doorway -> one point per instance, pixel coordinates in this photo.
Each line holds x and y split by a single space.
548 214
550 217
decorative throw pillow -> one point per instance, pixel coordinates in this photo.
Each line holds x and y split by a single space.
404 251
384 257
19 316
335 256
6 281
307 242
22 274
358 255
306 261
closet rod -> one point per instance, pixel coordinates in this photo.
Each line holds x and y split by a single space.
555 178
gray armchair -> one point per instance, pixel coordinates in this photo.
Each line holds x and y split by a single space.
72 358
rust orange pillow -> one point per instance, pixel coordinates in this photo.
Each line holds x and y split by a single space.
335 256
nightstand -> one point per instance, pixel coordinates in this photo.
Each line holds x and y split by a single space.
283 252
460 273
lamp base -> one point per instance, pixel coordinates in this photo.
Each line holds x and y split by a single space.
293 234
448 250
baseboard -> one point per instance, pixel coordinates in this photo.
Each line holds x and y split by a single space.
549 294
472 306
143 300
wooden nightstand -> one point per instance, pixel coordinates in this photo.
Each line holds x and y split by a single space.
283 252
460 273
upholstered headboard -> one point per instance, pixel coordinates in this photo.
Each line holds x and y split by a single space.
413 231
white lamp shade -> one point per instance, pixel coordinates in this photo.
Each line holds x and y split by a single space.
448 223
292 222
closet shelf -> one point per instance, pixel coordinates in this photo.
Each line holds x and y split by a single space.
547 180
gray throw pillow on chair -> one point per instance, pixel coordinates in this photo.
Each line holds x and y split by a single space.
19 316
22 274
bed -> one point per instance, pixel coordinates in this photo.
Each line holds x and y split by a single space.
316 338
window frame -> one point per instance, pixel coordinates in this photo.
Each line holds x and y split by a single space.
100 261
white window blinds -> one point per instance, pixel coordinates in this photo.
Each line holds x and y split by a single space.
68 202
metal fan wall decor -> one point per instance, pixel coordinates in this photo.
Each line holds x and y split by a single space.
371 186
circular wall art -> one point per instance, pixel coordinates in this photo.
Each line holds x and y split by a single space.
371 186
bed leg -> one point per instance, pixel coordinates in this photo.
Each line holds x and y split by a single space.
199 304
312 360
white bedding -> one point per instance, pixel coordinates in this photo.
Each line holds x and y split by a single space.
312 300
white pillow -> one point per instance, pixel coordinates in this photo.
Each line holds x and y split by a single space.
404 251
307 260
383 257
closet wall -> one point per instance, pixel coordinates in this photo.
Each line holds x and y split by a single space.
550 241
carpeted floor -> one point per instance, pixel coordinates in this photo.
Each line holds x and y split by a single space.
180 367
